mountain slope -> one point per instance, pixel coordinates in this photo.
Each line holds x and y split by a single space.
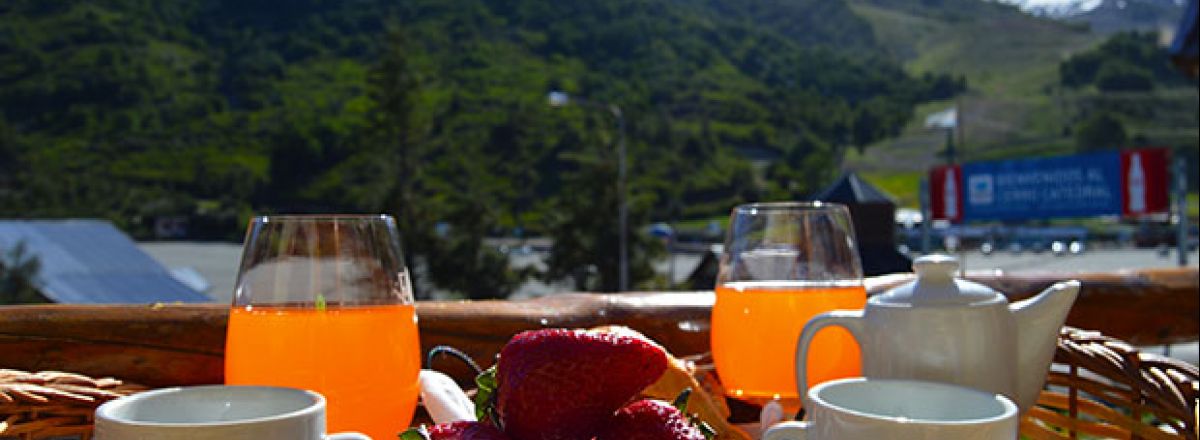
1009 60
1017 104
998 48
175 107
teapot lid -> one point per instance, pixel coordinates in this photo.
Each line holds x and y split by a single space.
936 286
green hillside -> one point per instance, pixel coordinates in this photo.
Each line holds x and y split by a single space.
1009 58
255 104
436 111
1018 103
999 49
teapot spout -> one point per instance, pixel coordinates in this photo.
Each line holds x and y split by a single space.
1039 320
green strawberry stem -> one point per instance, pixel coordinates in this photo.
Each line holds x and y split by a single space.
704 427
681 403
418 433
485 397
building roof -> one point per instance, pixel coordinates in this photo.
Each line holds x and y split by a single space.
92 262
853 190
1184 50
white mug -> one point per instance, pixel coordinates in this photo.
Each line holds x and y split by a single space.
893 409
214 412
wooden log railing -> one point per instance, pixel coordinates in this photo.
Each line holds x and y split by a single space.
184 344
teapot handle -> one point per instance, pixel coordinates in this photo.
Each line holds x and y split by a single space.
787 431
849 319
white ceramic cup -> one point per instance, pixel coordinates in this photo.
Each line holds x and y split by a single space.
214 412
891 409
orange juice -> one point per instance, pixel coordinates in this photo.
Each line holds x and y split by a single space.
364 359
755 325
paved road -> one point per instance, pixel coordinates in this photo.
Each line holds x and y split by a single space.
1101 260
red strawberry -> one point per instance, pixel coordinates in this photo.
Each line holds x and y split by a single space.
559 384
650 420
457 431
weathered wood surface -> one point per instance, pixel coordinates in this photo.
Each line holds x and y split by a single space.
150 345
1147 307
184 344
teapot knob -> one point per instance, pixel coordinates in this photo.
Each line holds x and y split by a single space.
935 266
936 285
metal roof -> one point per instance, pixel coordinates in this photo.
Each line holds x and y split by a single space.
92 262
853 190
1184 50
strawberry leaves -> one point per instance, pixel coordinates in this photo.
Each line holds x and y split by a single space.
681 403
418 433
485 397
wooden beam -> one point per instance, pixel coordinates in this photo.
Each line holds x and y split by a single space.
184 344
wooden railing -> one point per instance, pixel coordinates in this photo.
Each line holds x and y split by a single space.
184 344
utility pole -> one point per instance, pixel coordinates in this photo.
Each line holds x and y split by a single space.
558 99
1181 208
960 126
622 203
926 214
950 146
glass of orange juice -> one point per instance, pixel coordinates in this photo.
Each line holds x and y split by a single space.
325 303
783 264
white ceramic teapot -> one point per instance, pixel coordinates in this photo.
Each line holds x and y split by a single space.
943 329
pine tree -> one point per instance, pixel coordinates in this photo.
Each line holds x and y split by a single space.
18 270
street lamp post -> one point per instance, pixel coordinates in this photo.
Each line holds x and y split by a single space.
559 99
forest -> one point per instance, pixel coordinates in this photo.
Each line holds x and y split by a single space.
436 112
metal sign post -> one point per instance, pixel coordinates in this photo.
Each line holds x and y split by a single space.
1181 209
926 214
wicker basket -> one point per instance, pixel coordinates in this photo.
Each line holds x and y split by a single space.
1099 387
52 404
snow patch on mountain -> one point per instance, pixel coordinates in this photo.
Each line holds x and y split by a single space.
1056 8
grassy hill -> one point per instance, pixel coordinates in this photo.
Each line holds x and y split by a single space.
1015 105
163 108
1000 49
174 107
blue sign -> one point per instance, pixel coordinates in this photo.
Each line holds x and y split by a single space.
1068 186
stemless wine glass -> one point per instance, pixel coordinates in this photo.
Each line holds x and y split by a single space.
783 264
325 303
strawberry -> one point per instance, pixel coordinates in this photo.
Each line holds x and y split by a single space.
559 384
650 420
462 430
